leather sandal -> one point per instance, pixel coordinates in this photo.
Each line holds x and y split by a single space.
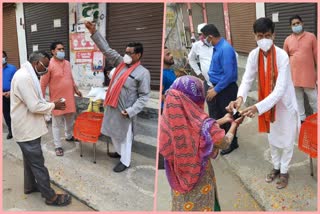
59 151
272 175
61 200
283 181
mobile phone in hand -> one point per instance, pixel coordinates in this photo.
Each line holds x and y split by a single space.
236 114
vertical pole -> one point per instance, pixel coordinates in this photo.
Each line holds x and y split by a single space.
94 153
227 22
204 13
190 19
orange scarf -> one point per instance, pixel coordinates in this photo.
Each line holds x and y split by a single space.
113 92
267 81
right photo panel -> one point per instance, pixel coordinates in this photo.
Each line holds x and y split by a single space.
238 123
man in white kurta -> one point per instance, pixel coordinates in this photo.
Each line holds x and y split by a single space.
284 129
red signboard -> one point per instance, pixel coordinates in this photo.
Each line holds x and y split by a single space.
79 41
83 57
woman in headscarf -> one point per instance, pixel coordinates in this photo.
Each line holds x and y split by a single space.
188 139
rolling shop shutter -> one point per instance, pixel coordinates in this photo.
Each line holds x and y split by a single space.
140 22
41 16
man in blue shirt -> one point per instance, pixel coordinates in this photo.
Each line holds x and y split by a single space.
168 75
223 74
8 71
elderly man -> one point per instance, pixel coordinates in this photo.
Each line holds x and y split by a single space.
277 105
127 94
8 71
61 84
301 47
28 104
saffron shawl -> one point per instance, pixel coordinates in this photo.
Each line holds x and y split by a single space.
187 134
266 83
114 89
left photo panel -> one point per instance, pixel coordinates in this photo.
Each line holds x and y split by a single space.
80 102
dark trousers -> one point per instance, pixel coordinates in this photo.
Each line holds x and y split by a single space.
6 111
36 175
209 103
217 107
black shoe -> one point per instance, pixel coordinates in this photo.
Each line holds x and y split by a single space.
119 167
70 139
9 135
229 150
114 155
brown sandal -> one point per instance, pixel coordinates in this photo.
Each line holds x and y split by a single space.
283 182
61 200
272 175
59 151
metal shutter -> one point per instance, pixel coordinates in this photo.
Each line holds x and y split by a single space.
242 17
307 11
43 15
10 37
197 16
141 22
215 16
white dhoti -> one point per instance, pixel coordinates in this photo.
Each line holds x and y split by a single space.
124 147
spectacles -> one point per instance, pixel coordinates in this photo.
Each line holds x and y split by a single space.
129 53
44 66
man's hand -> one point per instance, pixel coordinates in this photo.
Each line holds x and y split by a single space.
125 114
250 111
211 93
59 105
90 26
234 104
76 90
6 94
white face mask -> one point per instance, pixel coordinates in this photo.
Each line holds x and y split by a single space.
4 60
127 59
265 44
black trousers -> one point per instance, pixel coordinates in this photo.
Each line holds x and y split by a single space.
36 175
217 106
209 103
6 111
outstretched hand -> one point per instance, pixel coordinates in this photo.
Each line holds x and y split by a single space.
236 104
250 111
90 26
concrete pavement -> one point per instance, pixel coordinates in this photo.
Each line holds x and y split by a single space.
96 185
15 200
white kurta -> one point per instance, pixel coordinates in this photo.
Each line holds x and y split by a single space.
284 130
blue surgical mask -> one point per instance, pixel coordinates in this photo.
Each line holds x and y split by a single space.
60 55
297 29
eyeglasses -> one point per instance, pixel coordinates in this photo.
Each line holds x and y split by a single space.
129 53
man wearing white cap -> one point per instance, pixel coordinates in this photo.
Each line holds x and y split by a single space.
202 52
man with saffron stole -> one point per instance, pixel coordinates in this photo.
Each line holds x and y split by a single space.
277 107
127 95
188 139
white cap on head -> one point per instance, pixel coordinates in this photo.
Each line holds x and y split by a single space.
200 26
192 37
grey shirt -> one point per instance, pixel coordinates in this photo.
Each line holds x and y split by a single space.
133 97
